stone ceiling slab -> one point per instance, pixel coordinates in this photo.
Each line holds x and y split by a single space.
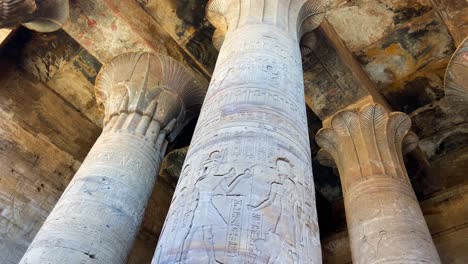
454 13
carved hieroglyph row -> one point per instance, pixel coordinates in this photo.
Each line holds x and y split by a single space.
38 15
246 193
385 222
456 79
147 99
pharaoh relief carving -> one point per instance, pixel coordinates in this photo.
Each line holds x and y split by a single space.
456 79
147 99
384 220
246 193
38 15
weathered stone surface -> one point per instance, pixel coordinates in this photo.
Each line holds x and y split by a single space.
329 84
454 14
43 55
42 16
185 21
74 82
147 99
456 79
371 20
62 65
15 12
404 51
333 77
172 164
407 49
436 123
383 215
41 148
109 28
39 110
97 27
246 192
157 208
33 174
449 236
419 94
419 89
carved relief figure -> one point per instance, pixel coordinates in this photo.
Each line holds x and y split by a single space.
283 197
248 206
204 208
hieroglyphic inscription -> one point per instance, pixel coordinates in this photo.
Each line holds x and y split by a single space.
105 200
249 195
148 98
255 233
235 225
279 190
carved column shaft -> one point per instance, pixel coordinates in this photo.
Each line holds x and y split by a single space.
246 193
100 212
385 222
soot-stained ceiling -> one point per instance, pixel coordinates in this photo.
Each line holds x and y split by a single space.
402 48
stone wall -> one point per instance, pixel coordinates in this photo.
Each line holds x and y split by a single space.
43 138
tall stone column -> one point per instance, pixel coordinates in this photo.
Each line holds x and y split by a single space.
246 193
38 15
385 222
147 99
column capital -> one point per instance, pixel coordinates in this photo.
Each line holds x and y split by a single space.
300 17
366 142
456 79
152 85
41 16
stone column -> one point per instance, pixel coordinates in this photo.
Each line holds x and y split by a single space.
147 99
246 193
385 222
38 15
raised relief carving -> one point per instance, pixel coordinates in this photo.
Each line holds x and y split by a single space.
456 79
248 193
145 92
147 98
382 212
300 17
38 15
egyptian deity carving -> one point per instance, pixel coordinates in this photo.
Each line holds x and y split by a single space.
456 79
38 15
147 98
382 212
247 195
297 16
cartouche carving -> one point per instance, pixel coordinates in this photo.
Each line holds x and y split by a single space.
246 193
147 98
456 79
38 15
384 219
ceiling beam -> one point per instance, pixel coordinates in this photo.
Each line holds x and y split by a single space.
107 28
453 13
